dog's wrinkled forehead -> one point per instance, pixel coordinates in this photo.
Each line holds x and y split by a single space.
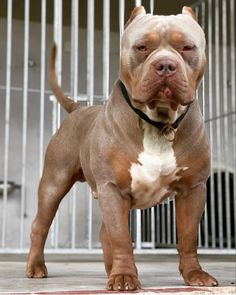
181 27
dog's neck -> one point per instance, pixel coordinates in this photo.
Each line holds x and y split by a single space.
167 128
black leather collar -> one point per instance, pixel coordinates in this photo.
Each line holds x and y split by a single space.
168 129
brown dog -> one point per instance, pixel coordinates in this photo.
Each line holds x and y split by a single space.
148 141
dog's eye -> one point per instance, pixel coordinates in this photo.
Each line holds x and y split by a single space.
142 48
188 47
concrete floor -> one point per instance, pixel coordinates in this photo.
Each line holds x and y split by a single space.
85 275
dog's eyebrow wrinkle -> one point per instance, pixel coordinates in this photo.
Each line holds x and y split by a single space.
163 29
152 36
176 37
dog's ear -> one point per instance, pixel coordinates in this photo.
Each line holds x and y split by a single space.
139 10
189 11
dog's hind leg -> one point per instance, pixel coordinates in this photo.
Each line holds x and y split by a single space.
58 177
50 196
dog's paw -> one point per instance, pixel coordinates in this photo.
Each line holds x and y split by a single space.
123 283
38 271
199 277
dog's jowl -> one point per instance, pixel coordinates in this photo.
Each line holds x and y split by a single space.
146 143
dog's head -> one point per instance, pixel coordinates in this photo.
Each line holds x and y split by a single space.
162 61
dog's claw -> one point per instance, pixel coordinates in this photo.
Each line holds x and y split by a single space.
123 283
38 272
109 288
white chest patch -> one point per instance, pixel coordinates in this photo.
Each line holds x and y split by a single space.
156 161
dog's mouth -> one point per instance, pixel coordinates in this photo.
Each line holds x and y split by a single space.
166 112
162 105
163 112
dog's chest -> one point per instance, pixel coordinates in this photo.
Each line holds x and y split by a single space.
149 183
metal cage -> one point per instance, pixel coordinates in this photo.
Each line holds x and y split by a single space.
30 115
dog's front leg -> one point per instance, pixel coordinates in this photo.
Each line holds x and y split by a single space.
189 209
115 212
106 246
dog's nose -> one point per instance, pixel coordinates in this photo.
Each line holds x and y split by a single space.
165 67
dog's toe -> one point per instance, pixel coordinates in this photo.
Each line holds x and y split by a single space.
200 278
123 283
38 272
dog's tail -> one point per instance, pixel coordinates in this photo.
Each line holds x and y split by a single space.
68 104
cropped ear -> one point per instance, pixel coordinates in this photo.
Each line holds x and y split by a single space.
139 10
189 11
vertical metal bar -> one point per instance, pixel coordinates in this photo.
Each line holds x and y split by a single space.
218 127
7 119
203 14
163 223
153 227
151 6
121 17
24 126
168 225
199 236
233 90
226 123
206 238
90 219
90 93
158 225
174 223
74 90
106 47
138 242
196 9
203 100
74 48
58 40
42 83
73 217
90 51
210 77
146 226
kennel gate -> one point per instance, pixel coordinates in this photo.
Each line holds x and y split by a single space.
28 122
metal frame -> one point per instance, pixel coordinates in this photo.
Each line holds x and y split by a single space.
159 226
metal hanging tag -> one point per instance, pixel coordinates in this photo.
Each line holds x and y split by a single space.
169 132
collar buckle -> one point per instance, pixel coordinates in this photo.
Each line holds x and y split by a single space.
168 132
